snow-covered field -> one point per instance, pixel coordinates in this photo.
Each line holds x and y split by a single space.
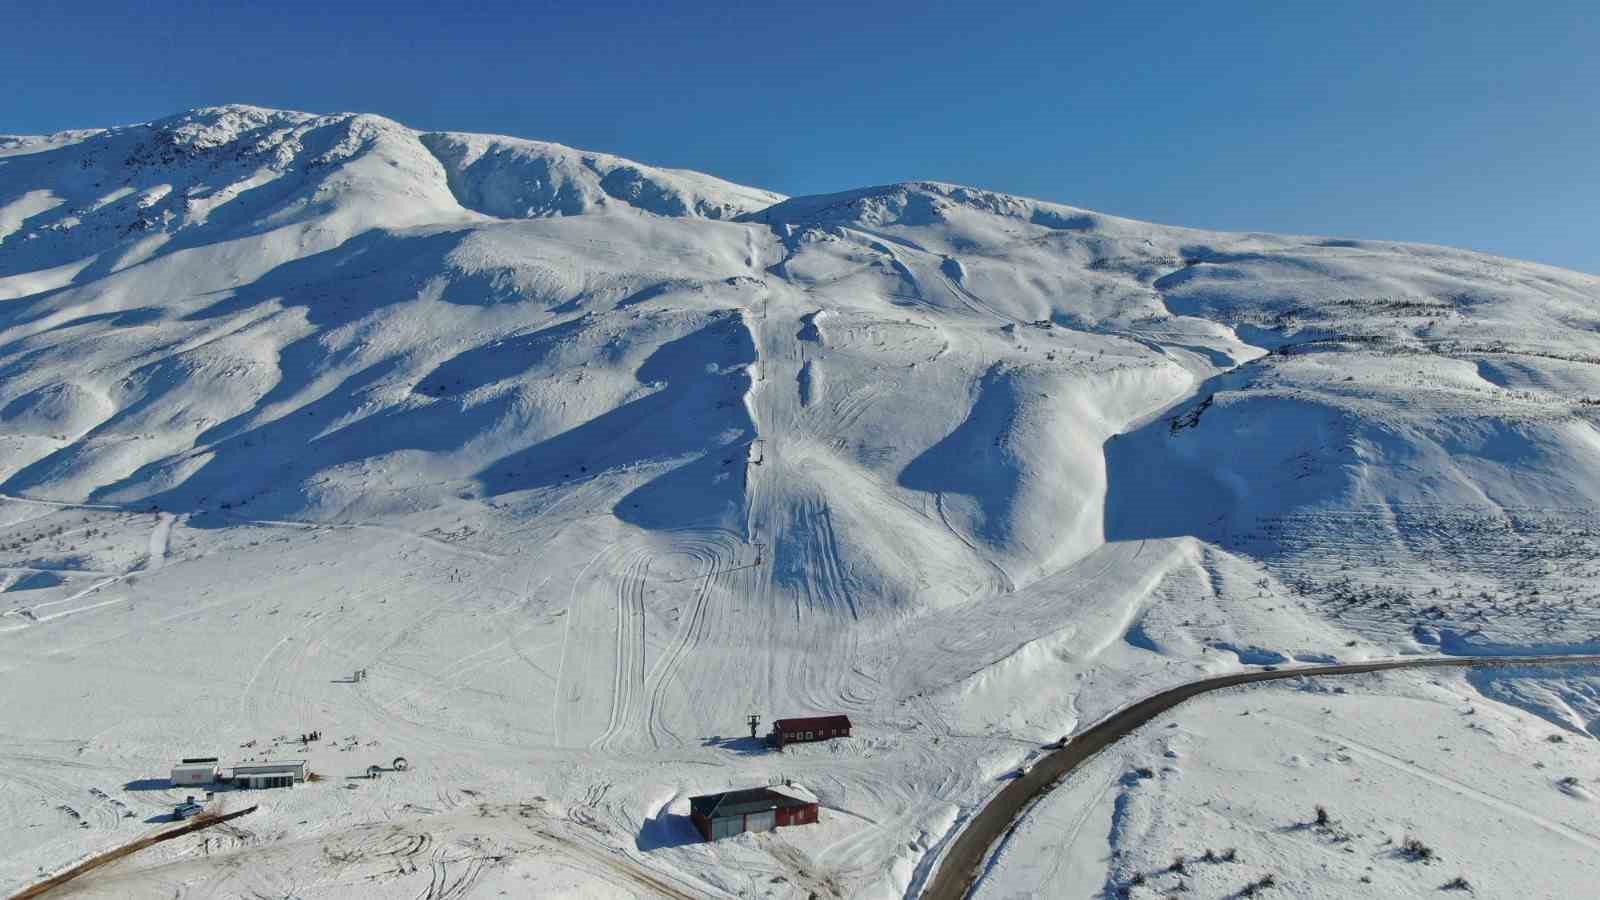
583 461
1493 796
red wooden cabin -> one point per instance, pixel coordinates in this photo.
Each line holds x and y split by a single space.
809 728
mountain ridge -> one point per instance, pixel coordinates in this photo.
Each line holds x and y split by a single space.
210 127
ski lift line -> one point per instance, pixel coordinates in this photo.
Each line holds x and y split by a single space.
754 565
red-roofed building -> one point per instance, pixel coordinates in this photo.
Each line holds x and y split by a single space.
757 809
809 728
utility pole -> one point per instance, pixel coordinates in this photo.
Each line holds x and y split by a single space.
755 722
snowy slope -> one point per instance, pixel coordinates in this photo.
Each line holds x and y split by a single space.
584 460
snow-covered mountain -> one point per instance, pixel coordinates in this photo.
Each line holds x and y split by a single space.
535 428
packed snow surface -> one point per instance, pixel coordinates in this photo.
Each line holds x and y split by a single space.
582 461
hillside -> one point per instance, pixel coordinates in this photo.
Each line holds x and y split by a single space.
583 460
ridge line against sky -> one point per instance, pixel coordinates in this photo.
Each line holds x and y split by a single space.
1470 124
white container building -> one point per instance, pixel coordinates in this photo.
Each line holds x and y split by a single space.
270 775
191 772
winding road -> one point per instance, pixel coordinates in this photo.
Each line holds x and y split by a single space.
963 863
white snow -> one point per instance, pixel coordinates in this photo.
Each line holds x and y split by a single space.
584 460
1389 757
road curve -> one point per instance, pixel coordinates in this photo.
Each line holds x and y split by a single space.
962 864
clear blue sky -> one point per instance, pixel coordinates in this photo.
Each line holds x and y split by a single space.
1473 124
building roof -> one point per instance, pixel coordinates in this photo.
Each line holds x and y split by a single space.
198 759
195 767
812 723
795 790
259 768
739 803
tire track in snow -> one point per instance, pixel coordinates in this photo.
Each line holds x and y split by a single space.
810 638
589 642
62 504
624 865
628 673
1576 835
831 579
32 611
1076 829
448 680
247 713
688 635
847 410
1006 584
81 609
442 884
76 573
972 301
447 546
716 551
63 794
572 612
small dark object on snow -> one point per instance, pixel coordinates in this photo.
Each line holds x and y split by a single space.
1255 887
1415 850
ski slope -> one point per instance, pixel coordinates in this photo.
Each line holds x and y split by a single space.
584 460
